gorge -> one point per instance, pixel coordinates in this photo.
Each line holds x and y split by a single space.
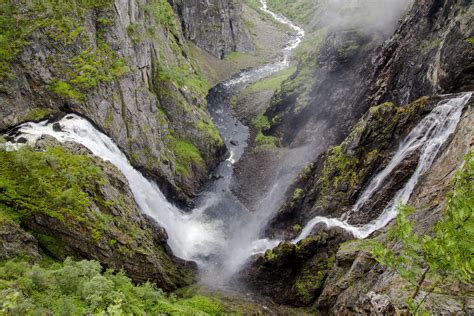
275 191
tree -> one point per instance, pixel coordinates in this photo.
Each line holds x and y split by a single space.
443 257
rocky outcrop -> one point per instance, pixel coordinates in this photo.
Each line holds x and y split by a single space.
342 275
215 26
337 83
124 65
93 216
295 274
331 185
357 284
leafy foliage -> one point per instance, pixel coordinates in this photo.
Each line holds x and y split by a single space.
443 257
79 288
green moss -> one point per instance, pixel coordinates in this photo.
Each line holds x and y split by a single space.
266 142
64 89
269 255
306 285
297 194
163 14
93 66
133 31
63 23
187 156
210 130
296 228
338 168
261 122
37 114
470 40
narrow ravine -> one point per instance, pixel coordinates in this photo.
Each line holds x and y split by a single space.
220 234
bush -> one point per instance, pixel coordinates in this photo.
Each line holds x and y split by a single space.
79 287
443 258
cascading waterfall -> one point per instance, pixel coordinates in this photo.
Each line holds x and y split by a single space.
428 136
220 234
190 235
212 234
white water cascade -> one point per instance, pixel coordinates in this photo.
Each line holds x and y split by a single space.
189 234
195 236
428 136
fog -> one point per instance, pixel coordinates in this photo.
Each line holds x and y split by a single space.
368 16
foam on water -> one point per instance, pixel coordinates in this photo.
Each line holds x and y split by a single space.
190 235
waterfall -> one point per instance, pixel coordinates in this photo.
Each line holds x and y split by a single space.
429 136
190 235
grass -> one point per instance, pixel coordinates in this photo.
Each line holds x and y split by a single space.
271 83
187 156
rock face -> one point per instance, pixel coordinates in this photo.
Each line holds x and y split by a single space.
124 65
215 26
331 185
357 284
429 54
110 227
294 274
328 270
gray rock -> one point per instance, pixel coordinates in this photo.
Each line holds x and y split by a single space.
214 25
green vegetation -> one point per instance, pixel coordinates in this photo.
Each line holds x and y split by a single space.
64 24
79 288
163 14
261 122
301 11
64 89
271 83
297 228
297 194
266 142
338 168
430 263
37 114
470 40
54 182
187 156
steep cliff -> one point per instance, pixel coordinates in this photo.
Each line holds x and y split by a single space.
60 201
124 65
337 83
345 79
215 26
331 272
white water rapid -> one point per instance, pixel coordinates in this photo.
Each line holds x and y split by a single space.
220 234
